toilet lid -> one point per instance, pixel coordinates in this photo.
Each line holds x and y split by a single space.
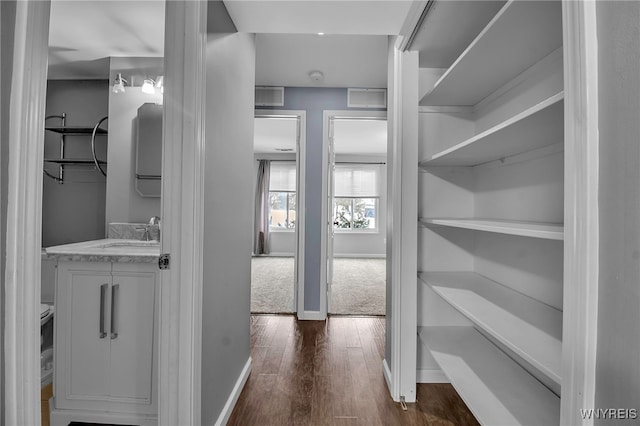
44 310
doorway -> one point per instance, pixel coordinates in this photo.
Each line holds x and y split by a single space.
277 257
356 212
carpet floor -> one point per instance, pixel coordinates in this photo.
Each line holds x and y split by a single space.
358 286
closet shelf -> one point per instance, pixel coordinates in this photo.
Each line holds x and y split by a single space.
75 130
496 389
73 161
529 328
549 231
518 36
536 127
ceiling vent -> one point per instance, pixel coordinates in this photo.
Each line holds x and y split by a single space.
269 96
367 98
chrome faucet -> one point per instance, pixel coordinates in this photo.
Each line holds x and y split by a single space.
145 235
155 220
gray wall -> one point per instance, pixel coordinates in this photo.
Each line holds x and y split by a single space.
74 211
123 202
618 358
228 209
314 101
7 25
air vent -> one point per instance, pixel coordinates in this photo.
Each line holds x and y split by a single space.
269 96
367 98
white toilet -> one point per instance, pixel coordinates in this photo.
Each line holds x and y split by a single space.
46 344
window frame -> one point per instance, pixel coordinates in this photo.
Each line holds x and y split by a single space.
351 229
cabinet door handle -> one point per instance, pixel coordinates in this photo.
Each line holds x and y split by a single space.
115 293
103 296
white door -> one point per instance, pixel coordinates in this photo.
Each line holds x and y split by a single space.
133 336
331 168
82 342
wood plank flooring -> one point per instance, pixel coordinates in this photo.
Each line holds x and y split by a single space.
330 373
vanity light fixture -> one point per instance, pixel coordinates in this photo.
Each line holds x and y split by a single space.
148 86
118 87
160 83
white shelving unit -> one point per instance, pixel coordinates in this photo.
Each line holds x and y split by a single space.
528 327
495 388
491 146
550 231
536 127
521 34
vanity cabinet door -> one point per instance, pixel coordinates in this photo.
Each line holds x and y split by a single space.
133 336
82 345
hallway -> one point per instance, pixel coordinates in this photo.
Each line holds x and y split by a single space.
330 373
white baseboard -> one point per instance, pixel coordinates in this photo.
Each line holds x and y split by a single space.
359 255
62 417
387 375
274 254
312 316
431 376
235 394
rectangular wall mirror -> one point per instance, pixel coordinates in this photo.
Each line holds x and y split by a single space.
149 150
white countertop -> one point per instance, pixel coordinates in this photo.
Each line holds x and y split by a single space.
107 250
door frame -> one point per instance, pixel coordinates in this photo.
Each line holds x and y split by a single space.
180 325
301 156
581 212
327 117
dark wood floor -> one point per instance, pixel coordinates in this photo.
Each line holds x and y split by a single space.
330 373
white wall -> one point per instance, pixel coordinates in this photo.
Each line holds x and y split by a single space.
228 202
123 202
618 359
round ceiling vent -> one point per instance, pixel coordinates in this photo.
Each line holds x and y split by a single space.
316 76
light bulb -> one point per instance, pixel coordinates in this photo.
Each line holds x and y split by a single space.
118 87
147 87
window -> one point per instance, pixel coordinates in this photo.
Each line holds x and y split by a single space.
356 197
282 196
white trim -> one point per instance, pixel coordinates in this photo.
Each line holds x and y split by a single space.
24 214
328 115
431 376
301 159
180 337
312 316
359 255
387 374
274 254
402 188
64 417
581 243
235 394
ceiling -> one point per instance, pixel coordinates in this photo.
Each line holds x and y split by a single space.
85 33
355 17
344 60
353 137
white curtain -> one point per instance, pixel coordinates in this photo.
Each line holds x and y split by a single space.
261 222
